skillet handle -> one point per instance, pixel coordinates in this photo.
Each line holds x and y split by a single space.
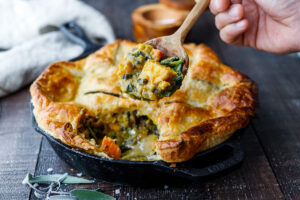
77 35
193 173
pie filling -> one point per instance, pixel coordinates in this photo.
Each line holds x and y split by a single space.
125 135
146 74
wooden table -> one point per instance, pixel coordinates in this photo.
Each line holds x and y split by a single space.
271 169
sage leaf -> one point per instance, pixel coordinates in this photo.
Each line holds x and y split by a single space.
54 177
82 194
62 197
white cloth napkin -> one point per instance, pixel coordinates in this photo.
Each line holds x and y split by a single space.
29 50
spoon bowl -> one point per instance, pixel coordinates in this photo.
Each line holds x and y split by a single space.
172 45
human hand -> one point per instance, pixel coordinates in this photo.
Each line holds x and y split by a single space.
269 25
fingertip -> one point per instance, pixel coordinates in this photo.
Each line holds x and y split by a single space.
242 25
231 32
236 11
234 14
217 6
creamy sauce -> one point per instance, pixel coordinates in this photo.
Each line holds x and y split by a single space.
143 150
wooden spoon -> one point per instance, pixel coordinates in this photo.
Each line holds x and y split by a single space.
172 45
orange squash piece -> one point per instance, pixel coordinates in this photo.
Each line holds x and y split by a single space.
109 146
157 54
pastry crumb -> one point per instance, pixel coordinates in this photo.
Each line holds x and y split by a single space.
79 174
173 165
50 169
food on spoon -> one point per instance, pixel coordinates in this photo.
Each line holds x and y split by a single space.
146 74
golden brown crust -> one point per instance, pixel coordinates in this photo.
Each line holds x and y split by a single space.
212 103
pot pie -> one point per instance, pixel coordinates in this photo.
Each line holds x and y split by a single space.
81 104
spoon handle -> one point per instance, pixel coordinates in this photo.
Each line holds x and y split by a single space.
190 20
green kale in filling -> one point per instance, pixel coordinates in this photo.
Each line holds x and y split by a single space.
176 64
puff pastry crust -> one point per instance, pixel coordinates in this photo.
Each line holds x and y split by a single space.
213 101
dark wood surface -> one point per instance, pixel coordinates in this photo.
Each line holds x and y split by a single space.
271 169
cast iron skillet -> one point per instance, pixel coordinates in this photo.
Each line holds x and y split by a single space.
213 161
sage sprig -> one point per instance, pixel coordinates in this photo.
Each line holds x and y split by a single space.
83 194
47 187
52 178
